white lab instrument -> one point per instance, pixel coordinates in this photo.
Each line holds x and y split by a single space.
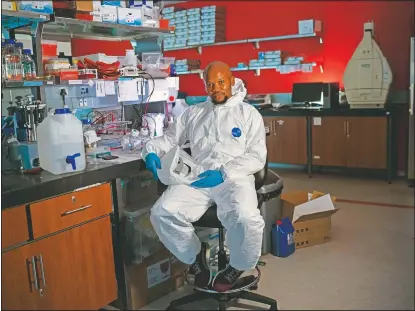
177 168
61 143
368 76
155 123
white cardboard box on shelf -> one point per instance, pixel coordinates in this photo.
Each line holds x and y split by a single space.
109 14
130 16
309 26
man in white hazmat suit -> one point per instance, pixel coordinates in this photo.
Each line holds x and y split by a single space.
227 142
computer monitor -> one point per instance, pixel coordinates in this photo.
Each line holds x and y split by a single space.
307 93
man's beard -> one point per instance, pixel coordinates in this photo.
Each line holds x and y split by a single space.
219 102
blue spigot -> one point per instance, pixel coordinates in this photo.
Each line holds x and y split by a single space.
71 160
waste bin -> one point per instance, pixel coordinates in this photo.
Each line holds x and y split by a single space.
271 207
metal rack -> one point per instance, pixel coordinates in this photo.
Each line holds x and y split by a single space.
64 29
48 26
256 69
255 41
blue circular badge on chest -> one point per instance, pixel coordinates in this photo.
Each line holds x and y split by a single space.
236 132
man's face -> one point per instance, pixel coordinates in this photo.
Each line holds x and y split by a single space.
219 85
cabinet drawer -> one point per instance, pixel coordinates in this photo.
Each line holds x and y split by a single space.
14 228
70 209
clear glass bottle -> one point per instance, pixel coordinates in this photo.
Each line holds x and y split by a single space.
28 65
13 61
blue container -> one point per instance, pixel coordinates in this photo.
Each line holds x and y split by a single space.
282 238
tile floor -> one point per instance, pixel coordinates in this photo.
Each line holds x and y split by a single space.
369 264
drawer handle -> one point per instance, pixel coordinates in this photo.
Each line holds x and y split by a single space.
42 270
34 273
82 208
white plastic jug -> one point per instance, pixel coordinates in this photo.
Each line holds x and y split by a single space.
61 143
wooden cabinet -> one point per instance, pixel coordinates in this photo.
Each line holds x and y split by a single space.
287 141
70 209
14 228
355 142
69 269
367 142
328 140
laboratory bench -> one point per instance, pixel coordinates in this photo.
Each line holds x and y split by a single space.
349 139
61 237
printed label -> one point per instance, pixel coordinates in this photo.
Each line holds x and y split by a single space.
290 238
158 273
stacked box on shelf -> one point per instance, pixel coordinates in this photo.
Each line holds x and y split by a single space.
267 59
212 24
181 29
183 65
36 6
168 14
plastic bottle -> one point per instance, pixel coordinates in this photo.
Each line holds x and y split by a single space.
28 65
282 237
12 61
3 62
61 143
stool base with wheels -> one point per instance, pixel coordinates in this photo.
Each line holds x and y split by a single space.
241 290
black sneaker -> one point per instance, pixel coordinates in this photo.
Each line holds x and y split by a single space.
225 280
200 269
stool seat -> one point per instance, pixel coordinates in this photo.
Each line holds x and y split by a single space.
210 217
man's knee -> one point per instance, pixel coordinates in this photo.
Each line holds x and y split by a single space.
246 216
163 207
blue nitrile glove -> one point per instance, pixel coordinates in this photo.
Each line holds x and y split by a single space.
208 179
153 163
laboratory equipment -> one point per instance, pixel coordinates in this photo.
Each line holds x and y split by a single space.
13 61
130 58
259 100
61 143
331 98
155 123
179 106
411 168
28 155
307 93
28 65
368 76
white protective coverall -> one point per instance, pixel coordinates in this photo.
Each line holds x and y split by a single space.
216 143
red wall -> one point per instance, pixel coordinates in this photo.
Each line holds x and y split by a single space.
342 23
342 31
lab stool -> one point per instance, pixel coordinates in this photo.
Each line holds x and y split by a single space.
242 290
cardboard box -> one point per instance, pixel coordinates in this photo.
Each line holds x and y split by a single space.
310 214
109 14
309 26
36 6
130 16
8 5
157 276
